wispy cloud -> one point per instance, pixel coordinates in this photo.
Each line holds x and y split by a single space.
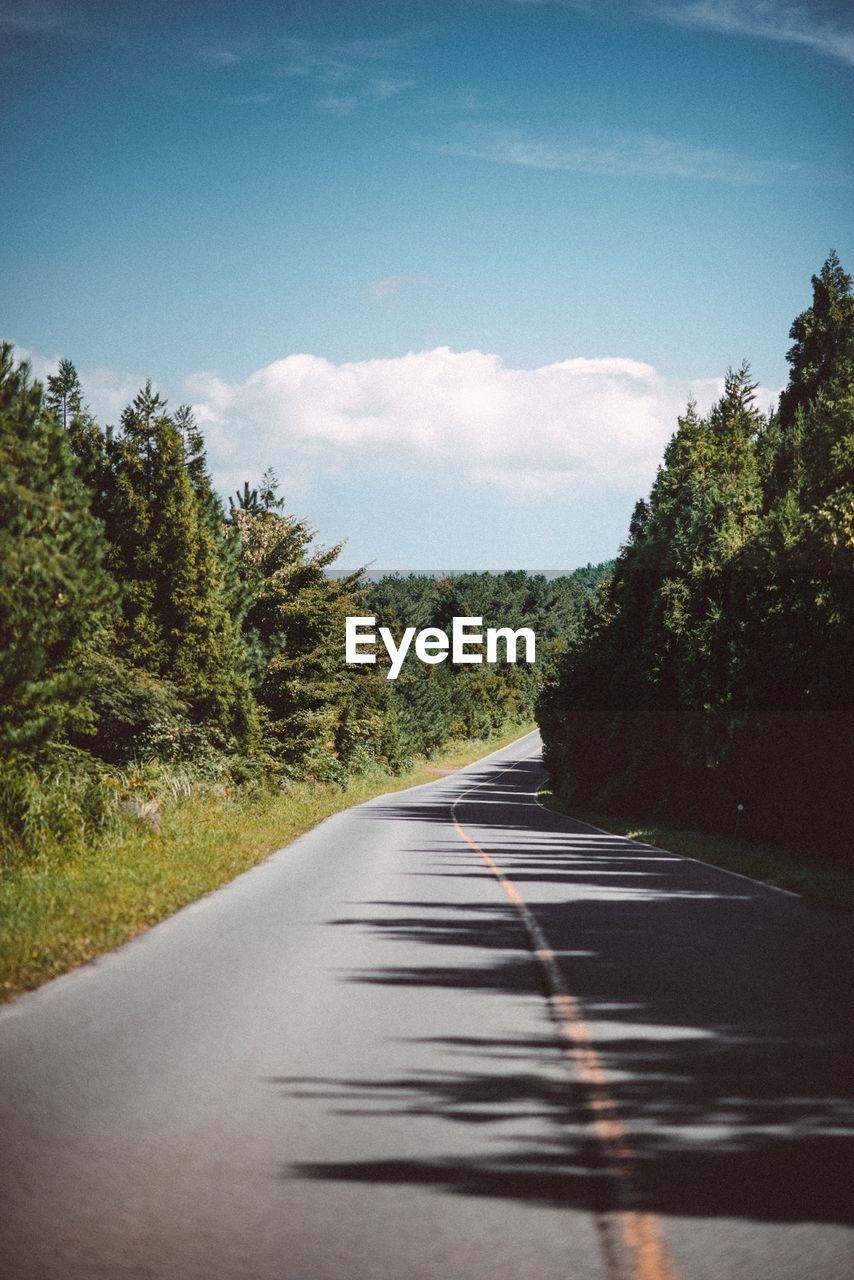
389 86
221 57
32 17
622 155
344 60
338 104
826 28
457 105
767 20
248 99
390 286
59 20
326 70
353 70
344 74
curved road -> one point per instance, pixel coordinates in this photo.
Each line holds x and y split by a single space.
445 1034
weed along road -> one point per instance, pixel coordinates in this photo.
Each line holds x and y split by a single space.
445 1034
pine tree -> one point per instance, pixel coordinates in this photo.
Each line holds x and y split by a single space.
85 438
54 592
208 499
822 356
717 668
295 627
177 618
805 552
64 394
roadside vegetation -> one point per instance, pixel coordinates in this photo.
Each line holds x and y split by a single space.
829 885
711 681
82 894
174 696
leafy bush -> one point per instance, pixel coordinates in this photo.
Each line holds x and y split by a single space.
66 803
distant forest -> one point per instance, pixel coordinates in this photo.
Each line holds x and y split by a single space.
711 683
145 624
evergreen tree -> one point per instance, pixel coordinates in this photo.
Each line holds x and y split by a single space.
803 557
64 393
54 593
222 531
716 669
822 355
208 499
86 441
177 618
295 627
247 501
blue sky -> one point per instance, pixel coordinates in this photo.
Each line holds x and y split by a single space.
451 268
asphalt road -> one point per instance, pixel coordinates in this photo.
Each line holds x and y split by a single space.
445 1034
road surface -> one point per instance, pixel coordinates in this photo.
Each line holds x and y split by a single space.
445 1034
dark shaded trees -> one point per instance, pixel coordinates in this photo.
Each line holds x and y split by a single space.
715 671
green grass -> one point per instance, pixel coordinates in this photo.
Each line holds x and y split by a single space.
59 910
831 886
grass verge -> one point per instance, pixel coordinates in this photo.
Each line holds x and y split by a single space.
58 912
831 886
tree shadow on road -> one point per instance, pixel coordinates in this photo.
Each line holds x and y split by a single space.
720 1014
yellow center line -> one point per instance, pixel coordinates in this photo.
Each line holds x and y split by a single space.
635 1250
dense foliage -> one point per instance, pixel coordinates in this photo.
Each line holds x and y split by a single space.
147 631
54 591
427 704
711 682
703 678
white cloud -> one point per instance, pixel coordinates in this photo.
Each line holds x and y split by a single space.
352 70
526 482
590 428
389 86
390 286
596 423
32 16
364 50
766 20
334 62
105 391
825 28
108 392
337 105
248 100
40 366
612 155
220 57
457 105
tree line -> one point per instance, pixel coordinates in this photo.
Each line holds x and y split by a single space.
703 677
142 619
711 681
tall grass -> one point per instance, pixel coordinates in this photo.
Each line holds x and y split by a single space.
83 875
